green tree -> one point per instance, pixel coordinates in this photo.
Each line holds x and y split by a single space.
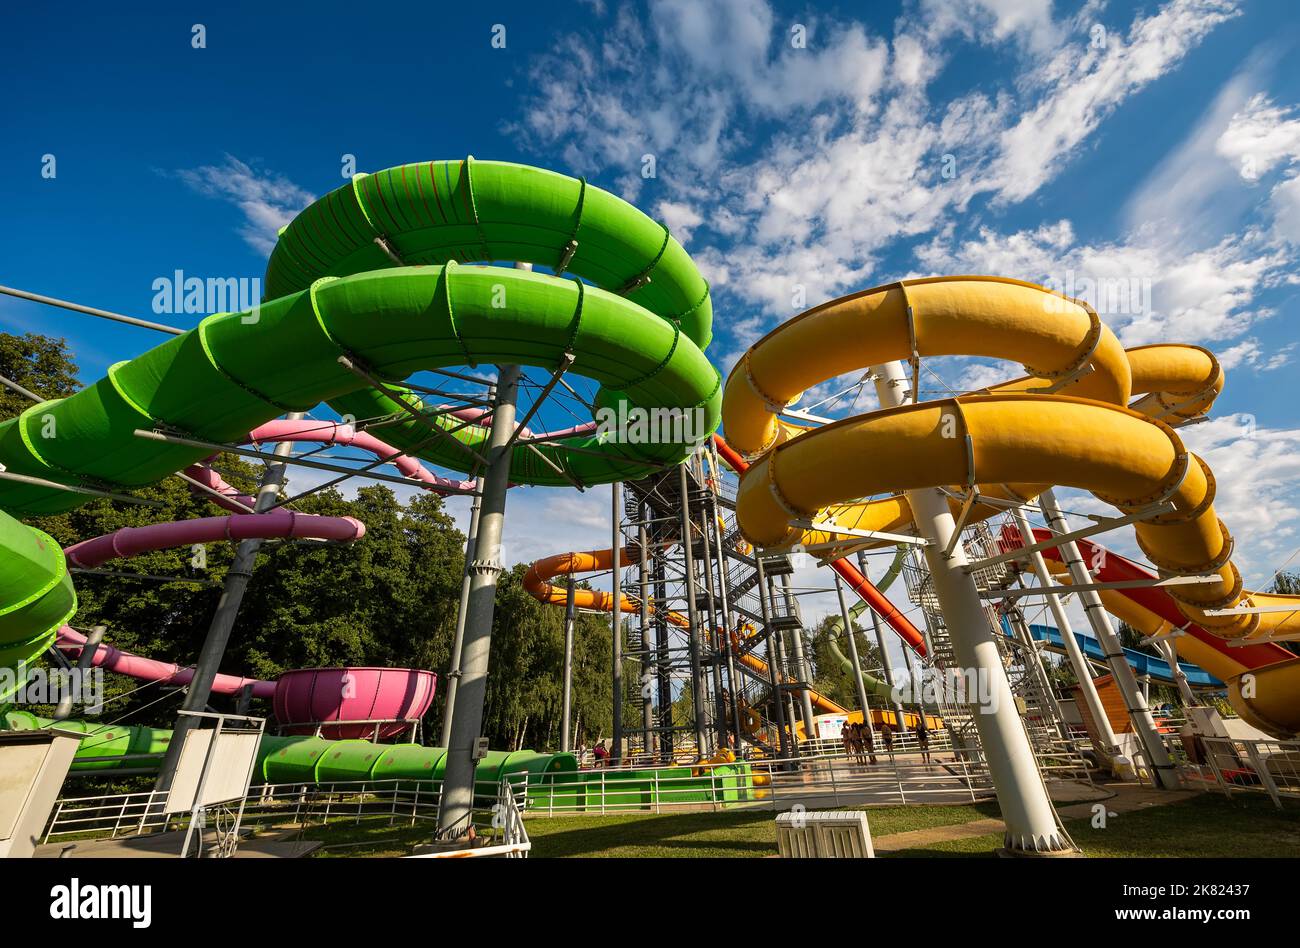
830 677
40 364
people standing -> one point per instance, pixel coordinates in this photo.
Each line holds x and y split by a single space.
868 741
849 739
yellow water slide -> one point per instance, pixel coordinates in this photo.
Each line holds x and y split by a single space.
1089 415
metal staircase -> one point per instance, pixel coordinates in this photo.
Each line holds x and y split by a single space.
1057 754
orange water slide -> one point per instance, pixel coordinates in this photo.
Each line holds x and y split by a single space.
537 581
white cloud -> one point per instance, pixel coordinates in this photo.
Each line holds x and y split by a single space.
854 155
1260 136
267 200
680 218
1250 354
1257 470
1084 84
1145 289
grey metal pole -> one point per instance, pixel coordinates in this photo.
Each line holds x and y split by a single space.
566 697
914 683
773 656
734 684
616 619
647 663
791 712
886 661
222 625
458 637
1153 745
802 668
1166 648
854 660
711 607
698 698
457 803
85 661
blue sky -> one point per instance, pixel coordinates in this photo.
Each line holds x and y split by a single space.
1155 142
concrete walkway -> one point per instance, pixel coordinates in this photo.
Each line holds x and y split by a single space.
168 846
1117 798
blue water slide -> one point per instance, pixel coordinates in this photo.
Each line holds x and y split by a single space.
1142 663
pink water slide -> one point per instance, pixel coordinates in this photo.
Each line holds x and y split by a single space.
310 696
131 541
324 432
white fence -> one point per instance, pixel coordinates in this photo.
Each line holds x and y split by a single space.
1232 766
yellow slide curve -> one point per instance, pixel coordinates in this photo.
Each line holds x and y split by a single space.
1106 428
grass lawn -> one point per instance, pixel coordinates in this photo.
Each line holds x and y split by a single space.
749 833
638 835
1207 825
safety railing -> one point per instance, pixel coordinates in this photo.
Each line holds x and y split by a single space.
123 814
1231 766
296 806
831 779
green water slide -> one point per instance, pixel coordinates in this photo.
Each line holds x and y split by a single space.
835 629
378 272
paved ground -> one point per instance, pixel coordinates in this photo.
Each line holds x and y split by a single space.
168 846
1118 798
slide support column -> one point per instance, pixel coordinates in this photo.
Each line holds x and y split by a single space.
223 620
616 620
800 662
886 663
773 657
1153 745
1022 796
566 694
458 637
698 693
1166 648
457 803
854 660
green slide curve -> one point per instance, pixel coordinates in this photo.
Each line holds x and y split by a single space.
637 326
835 629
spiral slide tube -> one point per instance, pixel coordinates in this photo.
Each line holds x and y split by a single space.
637 330
1126 456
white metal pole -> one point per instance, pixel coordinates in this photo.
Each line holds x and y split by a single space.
1022 796
1166 776
1078 662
